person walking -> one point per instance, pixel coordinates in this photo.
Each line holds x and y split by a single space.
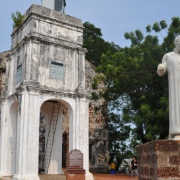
134 166
113 168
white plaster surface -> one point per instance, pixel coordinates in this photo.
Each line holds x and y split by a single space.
20 110
171 64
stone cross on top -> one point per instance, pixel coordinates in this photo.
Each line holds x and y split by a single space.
58 5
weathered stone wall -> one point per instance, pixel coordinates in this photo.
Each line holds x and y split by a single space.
98 132
43 23
45 37
159 160
4 57
47 63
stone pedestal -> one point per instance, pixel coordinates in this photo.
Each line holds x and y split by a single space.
159 160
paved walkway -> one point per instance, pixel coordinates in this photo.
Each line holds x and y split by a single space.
52 177
96 177
112 177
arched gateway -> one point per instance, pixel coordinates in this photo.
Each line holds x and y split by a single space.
54 136
45 77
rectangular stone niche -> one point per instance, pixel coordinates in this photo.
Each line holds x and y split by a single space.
159 160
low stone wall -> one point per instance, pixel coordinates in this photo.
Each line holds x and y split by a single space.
159 160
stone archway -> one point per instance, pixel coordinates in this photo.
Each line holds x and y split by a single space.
54 126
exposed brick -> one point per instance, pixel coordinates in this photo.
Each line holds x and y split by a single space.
159 159
174 160
153 159
169 171
151 172
166 146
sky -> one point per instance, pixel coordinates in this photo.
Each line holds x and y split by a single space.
113 17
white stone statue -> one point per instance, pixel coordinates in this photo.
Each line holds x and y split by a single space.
171 64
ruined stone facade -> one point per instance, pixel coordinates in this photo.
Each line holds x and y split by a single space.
4 56
45 75
98 133
159 160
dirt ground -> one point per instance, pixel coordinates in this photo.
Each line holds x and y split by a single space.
112 177
96 177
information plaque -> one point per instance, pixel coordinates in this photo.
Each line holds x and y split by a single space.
75 164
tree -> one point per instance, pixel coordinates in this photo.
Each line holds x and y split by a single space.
135 94
118 135
95 44
118 131
131 75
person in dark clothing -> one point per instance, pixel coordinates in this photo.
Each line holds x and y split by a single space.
134 166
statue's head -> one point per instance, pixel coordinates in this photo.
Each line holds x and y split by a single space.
177 40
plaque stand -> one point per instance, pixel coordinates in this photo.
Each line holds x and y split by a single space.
75 169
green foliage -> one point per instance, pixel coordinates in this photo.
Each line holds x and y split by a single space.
163 24
135 94
135 37
131 73
118 134
148 28
95 44
156 27
95 83
17 18
96 109
97 49
173 31
94 96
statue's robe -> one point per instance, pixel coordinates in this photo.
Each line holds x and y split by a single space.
171 62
